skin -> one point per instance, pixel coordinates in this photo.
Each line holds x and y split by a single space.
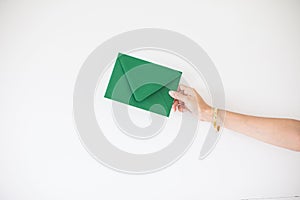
276 131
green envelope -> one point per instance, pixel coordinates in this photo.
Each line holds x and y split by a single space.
142 84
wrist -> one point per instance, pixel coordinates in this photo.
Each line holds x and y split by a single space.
206 114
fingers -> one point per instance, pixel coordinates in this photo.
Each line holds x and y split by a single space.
186 90
178 95
183 87
181 96
175 104
181 108
179 105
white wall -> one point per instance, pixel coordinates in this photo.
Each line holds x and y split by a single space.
255 46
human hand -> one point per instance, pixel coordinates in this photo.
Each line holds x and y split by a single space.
188 99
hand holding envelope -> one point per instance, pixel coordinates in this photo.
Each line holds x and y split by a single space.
142 84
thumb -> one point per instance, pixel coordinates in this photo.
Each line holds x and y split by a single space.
178 95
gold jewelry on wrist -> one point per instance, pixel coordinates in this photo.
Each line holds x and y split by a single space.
215 116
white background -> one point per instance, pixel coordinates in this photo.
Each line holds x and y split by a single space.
254 44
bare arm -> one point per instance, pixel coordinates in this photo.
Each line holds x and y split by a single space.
280 132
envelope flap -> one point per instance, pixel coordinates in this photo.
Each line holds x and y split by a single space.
145 78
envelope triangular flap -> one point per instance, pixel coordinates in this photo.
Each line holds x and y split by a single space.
145 78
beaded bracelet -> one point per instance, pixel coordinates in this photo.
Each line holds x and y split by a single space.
217 127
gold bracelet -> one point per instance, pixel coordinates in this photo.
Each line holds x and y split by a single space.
217 127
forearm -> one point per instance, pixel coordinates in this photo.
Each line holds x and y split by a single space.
280 132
